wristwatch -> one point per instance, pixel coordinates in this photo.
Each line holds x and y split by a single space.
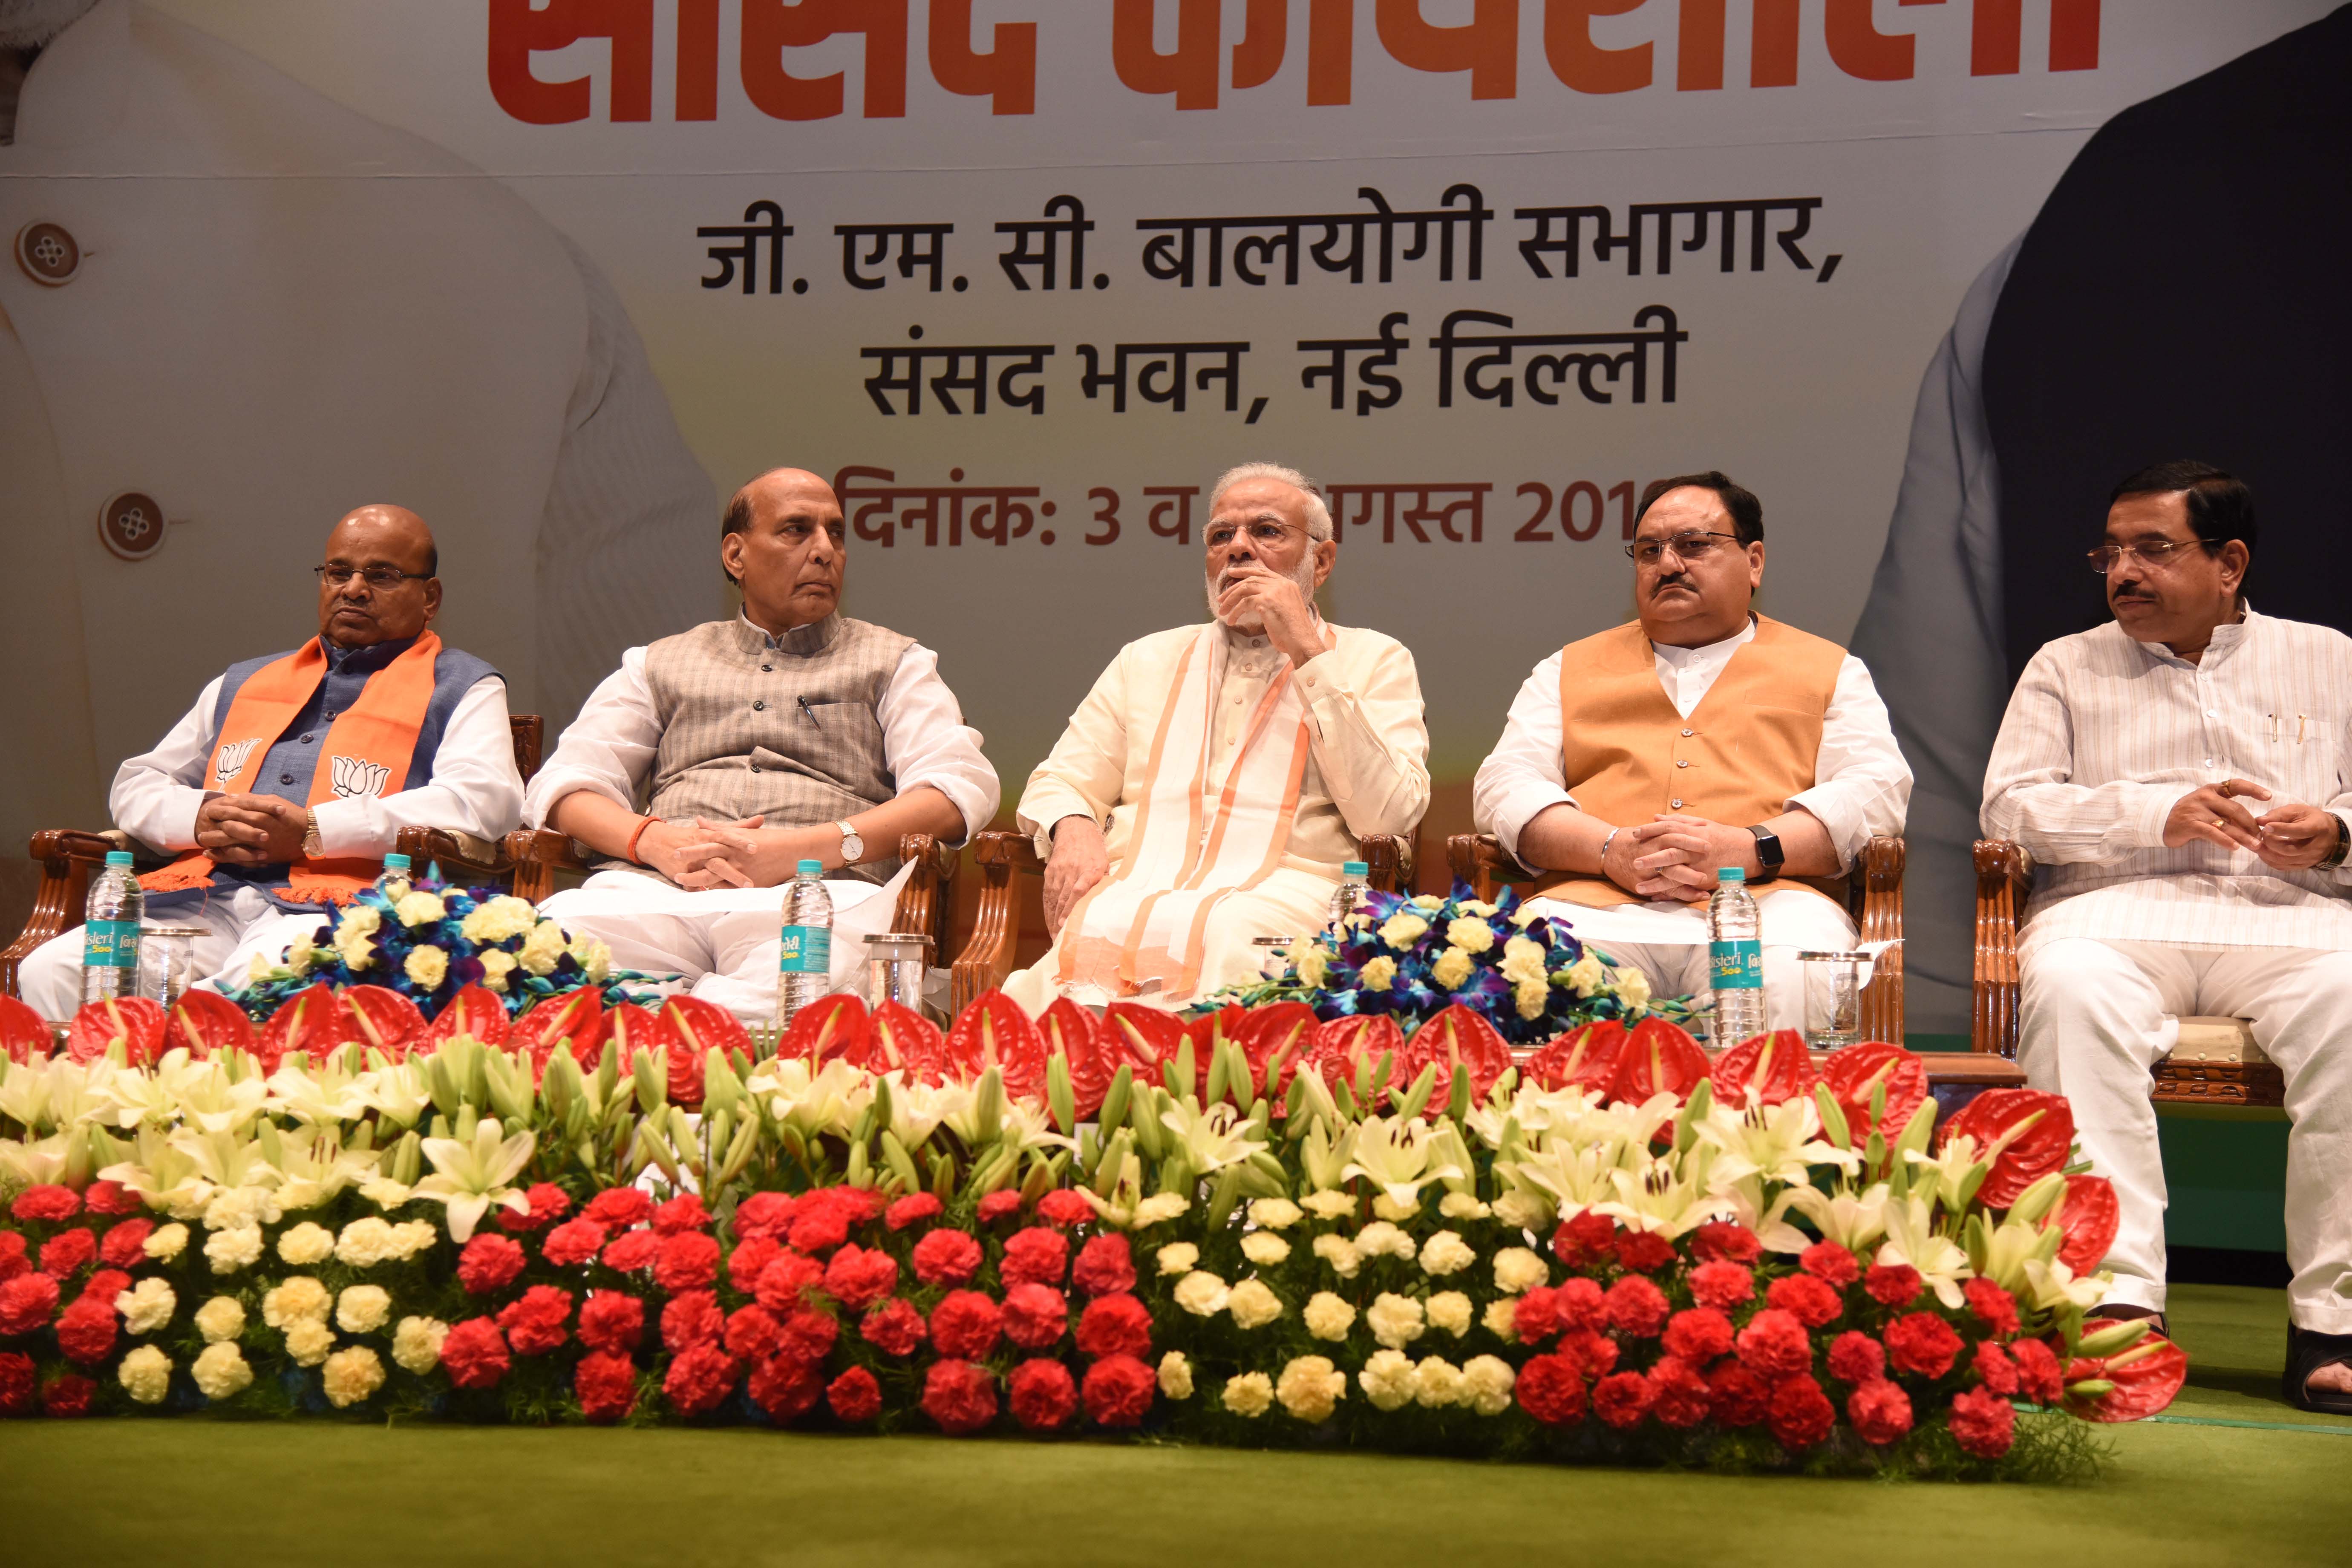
313 848
2335 858
1769 856
853 848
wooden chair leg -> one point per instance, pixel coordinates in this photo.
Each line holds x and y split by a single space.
987 959
2002 876
1882 920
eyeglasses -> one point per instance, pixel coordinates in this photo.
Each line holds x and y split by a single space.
1262 532
1692 546
382 579
2149 552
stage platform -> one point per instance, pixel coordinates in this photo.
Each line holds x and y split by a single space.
2231 1474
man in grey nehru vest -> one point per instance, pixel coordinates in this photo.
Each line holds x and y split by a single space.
711 762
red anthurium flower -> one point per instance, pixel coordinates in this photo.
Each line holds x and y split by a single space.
899 1038
2145 1377
1658 1058
2025 1132
1770 1069
136 1021
993 1032
2089 1217
575 1019
1140 1038
202 1022
1587 1058
379 1018
473 1011
1072 1033
1457 1040
1853 1075
1276 1039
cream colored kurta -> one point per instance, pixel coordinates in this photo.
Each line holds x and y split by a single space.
1367 773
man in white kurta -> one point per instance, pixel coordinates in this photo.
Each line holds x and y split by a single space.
1211 787
711 762
2183 777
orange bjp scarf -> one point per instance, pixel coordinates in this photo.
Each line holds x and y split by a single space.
367 753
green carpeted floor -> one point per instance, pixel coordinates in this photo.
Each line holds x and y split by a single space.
192 1491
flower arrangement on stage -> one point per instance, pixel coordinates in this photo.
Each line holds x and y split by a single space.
1253 1230
1411 957
429 943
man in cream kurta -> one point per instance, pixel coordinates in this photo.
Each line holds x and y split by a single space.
1214 782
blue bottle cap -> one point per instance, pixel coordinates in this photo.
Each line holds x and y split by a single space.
395 862
117 856
1730 873
812 868
1355 868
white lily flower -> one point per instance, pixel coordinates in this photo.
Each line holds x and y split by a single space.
35 1164
1660 1199
313 1166
1912 1239
165 1175
1396 1154
212 1099
1214 1138
1852 1220
319 1095
1942 1176
2014 1244
399 1094
1779 1142
2054 1287
828 1100
468 1178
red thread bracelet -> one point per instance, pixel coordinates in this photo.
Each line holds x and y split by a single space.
643 823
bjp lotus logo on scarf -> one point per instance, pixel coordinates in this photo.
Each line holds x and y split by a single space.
356 776
231 762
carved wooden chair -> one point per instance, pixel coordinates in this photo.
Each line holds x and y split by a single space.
1874 895
69 857
987 958
2216 1061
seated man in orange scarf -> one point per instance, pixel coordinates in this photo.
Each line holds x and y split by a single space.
285 785
1214 782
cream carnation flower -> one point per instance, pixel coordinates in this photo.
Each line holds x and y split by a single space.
364 1243
1437 1383
1160 1207
1387 1380
1633 987
1175 1375
1523 960
1377 974
412 1237
1381 1238
1249 1395
428 965
1395 1321
1265 1250
1486 1382
1402 929
1518 1269
307 1243
1529 998
1501 1319
1446 1253
1473 936
358 920
220 1320
1252 1305
146 1372
499 919
352 1375
221 1372
420 908
238 1208
1449 1311
1586 974
1452 968
1328 1317
1429 902
362 1308
1202 1294
1340 1254
1314 966
230 1250
1310 1386
544 949
146 1306
166 1244
1327 1204
1274 1214
1523 1211
298 1300
308 1341
417 1344
1177 1257
495 967
1387 1207
1463 1205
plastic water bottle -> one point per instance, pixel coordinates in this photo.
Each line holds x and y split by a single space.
110 935
805 952
394 882
1735 959
1349 899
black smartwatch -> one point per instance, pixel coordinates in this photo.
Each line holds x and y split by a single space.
1768 854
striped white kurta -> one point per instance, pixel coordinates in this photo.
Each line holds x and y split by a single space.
2105 733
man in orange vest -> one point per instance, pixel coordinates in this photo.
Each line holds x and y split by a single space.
1639 762
285 785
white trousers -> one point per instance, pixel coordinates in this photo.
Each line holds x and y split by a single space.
1290 902
2094 1018
239 927
1668 943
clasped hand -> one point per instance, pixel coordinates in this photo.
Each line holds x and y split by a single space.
2290 836
705 854
251 829
1675 856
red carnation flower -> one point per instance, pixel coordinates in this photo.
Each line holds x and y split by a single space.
854 1396
959 1396
26 1303
68 1397
46 1205
1678 1395
761 1214
912 1209
785 1280
475 1354
894 1328
1644 1252
1856 1358
1773 1345
700 1377
68 1253
534 1325
125 1246
687 1260
489 1264
1577 1303
858 1279
680 1214
632 1250
105 1285
1982 1423
1995 1370
750 1257
1698 1335
692 1319
1636 1308
1115 1325
1118 1391
1722 1285
1722 1241
1036 1257
573 1243
20 1387
819 1229
12 1260
1993 1306
808 1334
1880 1411
1808 1299
543 1205
1828 1261
946 1258
1551 1389
1042 1394
607 1386
85 1331
1585 1241
1800 1414
618 1208
1923 1343
1621 1399
1892 1284
1595 1352
1035 1316
1064 1207
1534 1316
966 1325
998 1205
1737 1397
785 1386
1104 1266
2039 1376
753 1334
109 1198
612 1321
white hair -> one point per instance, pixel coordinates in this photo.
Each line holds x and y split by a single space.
1318 516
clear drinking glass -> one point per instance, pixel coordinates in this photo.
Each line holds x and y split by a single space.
1833 998
167 962
896 962
1273 955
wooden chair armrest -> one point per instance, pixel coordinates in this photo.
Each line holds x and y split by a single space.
987 958
537 854
68 858
926 903
464 858
2004 876
1882 920
1388 861
1479 859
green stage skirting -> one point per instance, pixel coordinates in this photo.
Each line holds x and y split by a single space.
2231 1474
